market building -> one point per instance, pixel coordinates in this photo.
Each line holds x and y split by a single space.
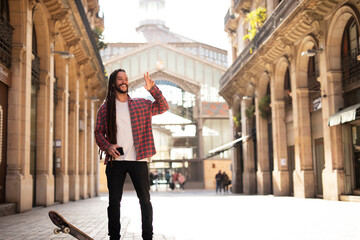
188 73
294 91
51 83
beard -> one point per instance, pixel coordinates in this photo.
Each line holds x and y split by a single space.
118 88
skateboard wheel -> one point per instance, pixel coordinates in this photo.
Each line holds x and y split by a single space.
66 230
57 230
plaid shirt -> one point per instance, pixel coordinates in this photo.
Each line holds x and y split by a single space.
141 110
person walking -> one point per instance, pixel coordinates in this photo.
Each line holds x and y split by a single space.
123 130
225 182
174 180
218 178
181 180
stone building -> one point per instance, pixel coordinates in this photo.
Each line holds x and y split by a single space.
188 73
51 81
296 86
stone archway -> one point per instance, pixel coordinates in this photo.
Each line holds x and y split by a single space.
249 143
281 178
264 138
160 75
335 161
44 168
304 185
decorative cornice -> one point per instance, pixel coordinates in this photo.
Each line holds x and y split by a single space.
73 42
83 61
312 16
60 16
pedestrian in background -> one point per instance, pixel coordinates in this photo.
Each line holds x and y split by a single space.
167 178
218 179
225 182
127 146
174 180
181 180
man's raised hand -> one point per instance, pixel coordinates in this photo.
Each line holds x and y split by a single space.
149 83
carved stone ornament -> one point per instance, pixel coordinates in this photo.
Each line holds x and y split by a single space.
83 61
59 16
285 42
312 16
32 3
73 42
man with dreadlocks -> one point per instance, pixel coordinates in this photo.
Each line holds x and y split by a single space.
125 122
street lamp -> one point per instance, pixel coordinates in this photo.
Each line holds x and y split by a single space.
64 54
311 52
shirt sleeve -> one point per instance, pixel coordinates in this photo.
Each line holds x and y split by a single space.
160 104
100 129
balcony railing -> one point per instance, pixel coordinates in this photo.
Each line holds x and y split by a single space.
350 70
282 11
35 71
5 41
90 35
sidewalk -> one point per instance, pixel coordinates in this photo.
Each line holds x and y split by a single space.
89 215
198 215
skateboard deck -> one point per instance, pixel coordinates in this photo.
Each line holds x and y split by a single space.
65 227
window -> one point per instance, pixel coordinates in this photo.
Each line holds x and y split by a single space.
287 88
349 65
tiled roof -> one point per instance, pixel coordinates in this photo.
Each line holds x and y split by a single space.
215 109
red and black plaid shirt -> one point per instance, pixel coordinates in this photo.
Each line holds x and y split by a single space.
141 110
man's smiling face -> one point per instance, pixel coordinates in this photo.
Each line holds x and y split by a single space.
121 83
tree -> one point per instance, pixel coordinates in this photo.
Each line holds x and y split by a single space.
99 38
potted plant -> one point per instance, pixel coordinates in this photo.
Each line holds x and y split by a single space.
256 19
264 107
250 112
237 119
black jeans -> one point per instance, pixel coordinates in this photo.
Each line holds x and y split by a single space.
139 174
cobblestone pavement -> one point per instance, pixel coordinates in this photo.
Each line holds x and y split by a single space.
198 215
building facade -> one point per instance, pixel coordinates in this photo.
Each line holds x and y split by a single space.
52 79
188 73
294 91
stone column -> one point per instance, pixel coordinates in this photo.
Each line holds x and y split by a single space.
280 173
201 153
333 174
83 149
44 138
249 175
19 182
237 186
74 181
263 174
90 143
304 170
95 152
61 137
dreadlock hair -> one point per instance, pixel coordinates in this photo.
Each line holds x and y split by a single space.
111 107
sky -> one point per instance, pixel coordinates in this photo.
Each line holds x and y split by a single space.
199 20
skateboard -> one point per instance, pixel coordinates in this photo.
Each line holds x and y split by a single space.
66 227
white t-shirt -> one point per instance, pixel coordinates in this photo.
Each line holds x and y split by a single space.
124 135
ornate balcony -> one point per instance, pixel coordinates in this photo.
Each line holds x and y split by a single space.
283 10
350 70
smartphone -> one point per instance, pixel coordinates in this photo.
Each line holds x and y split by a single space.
120 150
